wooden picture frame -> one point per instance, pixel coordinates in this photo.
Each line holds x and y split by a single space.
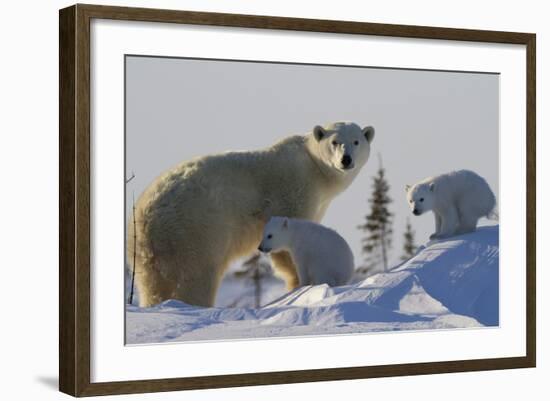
74 204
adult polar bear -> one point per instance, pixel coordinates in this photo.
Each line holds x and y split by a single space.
193 220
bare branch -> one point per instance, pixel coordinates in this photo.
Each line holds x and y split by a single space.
131 178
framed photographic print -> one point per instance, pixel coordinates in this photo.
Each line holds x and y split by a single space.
234 188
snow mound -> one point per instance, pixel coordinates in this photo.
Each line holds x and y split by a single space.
451 283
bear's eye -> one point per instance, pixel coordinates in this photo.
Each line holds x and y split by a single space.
421 199
356 143
269 236
334 143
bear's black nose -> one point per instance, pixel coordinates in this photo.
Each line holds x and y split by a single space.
264 250
346 160
416 212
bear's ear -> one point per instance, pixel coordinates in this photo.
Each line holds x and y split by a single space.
407 187
369 133
319 133
285 222
432 187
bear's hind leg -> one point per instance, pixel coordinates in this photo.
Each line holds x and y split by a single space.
467 223
152 288
198 280
283 264
197 292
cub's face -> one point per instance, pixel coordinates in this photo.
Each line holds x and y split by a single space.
420 198
344 147
275 235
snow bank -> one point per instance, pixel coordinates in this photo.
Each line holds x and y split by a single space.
449 283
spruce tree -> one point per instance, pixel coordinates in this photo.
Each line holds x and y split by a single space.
256 269
378 225
409 247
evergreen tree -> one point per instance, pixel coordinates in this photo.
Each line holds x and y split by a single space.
409 247
378 225
256 269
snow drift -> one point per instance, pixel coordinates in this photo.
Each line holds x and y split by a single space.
450 283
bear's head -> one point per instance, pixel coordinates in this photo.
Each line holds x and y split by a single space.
343 146
420 197
275 235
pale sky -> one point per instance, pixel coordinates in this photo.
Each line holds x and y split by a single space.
427 123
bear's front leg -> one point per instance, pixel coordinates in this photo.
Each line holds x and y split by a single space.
449 222
437 226
283 264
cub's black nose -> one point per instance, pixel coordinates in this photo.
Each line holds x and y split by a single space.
346 160
416 212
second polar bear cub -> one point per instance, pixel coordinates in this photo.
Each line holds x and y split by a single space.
458 200
320 254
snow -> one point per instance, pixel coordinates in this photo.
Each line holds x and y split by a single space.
451 283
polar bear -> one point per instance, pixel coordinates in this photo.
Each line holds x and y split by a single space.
321 255
196 218
458 200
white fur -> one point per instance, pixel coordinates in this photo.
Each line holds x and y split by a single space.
458 200
320 254
195 219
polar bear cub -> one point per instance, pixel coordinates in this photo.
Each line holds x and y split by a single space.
320 254
458 200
